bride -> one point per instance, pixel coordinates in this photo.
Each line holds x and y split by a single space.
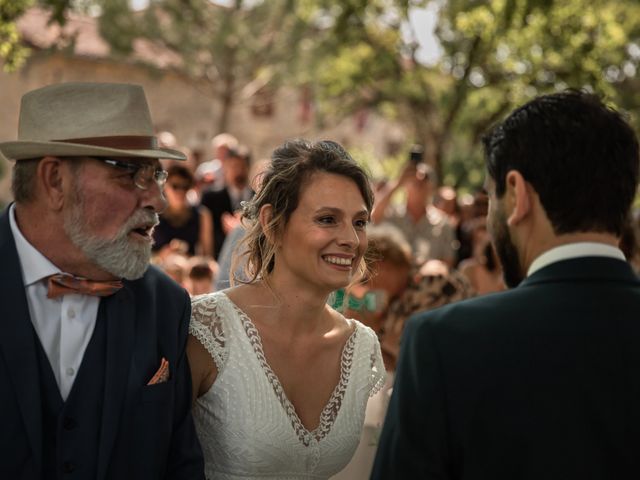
281 380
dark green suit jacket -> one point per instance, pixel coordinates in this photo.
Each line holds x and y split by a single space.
539 382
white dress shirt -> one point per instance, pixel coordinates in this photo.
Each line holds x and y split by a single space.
65 324
575 250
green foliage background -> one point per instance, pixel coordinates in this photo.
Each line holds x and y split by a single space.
362 54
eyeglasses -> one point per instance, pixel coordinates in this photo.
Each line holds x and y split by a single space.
143 174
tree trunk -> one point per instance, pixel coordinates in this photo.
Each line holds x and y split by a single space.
226 104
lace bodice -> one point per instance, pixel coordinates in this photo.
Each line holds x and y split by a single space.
247 426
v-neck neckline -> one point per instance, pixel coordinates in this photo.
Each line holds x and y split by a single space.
330 411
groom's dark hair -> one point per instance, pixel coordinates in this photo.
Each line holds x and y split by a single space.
580 156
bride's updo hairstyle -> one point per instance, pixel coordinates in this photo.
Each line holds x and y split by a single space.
292 166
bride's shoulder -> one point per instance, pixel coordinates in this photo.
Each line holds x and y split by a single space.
207 299
205 307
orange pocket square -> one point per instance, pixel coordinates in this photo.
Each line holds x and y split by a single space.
162 375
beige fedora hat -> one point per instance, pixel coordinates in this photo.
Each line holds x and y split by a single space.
86 119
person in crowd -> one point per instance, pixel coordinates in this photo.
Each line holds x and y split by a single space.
472 207
446 200
426 227
540 381
483 269
229 251
207 176
235 236
167 139
94 381
254 348
175 263
226 201
201 276
181 220
209 173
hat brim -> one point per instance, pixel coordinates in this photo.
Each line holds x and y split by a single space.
21 150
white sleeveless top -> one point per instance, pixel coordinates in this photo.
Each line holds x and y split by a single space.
247 426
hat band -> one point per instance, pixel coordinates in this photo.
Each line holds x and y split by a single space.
130 142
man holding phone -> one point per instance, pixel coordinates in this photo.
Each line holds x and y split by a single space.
425 227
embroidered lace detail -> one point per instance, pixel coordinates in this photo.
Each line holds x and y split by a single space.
331 409
206 327
378 373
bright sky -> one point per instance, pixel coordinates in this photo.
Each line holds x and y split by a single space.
423 23
422 20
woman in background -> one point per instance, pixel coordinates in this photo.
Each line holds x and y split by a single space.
182 226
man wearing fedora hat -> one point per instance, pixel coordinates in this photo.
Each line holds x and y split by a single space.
93 375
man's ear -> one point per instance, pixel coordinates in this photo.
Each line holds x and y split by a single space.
518 196
265 216
50 175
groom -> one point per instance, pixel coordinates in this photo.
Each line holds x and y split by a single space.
541 381
94 382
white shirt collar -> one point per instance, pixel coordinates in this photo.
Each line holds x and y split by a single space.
35 266
575 250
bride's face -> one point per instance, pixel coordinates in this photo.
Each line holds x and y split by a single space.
324 241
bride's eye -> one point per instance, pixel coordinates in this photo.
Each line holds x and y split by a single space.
326 220
361 224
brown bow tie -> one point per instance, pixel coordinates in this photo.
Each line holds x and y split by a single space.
63 284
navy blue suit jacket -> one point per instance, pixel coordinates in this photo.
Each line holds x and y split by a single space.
146 431
218 202
539 382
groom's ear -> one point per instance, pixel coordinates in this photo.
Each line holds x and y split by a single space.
517 197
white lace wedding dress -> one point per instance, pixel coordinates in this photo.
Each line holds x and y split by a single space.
247 426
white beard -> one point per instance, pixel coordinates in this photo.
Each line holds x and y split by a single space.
120 256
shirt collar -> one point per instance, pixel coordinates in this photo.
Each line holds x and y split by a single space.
575 250
35 266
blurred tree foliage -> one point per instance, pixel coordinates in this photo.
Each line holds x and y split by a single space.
12 53
362 54
355 54
241 49
497 54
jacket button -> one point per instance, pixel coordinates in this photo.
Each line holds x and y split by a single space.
68 467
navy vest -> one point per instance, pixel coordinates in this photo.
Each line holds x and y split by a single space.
71 429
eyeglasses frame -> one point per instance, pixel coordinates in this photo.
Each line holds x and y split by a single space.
141 179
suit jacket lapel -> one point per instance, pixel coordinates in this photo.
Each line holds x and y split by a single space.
120 318
17 340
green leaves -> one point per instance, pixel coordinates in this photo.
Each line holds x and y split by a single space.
497 54
12 53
